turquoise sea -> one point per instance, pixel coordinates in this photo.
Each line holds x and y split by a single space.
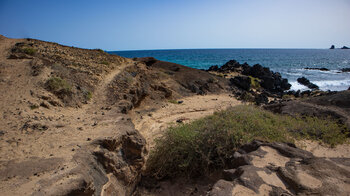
289 62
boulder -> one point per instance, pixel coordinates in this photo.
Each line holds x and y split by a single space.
242 82
332 47
261 99
304 81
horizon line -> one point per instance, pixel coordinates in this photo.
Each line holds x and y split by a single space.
130 50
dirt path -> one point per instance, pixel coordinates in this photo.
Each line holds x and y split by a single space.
100 94
28 134
151 123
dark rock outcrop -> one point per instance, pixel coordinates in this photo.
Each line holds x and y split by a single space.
304 81
315 68
242 82
344 47
147 60
269 80
335 105
186 80
345 70
332 47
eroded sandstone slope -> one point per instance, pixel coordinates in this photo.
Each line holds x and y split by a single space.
64 126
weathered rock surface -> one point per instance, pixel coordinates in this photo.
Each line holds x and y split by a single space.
335 105
106 166
283 169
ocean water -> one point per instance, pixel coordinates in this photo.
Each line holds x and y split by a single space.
289 62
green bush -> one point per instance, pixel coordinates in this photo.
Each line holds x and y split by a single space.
34 106
87 95
173 101
207 144
99 50
105 62
59 86
247 97
30 51
254 83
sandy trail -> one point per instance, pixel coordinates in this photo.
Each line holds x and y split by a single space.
152 124
62 130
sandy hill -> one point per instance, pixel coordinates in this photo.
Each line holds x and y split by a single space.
81 122
64 127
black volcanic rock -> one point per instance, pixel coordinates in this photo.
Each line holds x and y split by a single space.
213 68
332 47
304 81
345 70
344 47
269 80
147 60
242 82
316 68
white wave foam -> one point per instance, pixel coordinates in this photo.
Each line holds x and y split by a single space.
294 74
333 85
336 85
296 86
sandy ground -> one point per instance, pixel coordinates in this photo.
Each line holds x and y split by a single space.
152 122
320 150
58 132
63 130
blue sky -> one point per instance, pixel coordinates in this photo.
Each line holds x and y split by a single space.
163 24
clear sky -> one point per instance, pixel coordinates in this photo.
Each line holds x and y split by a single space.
173 24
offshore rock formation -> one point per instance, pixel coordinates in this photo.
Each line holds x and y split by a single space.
315 68
304 81
332 47
345 70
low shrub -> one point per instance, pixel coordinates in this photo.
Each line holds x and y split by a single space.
247 97
255 83
173 101
29 51
87 95
58 86
208 144
34 106
105 62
